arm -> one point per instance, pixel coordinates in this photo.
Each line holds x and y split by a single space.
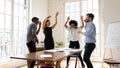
43 26
35 37
82 22
53 26
39 28
89 30
68 18
34 34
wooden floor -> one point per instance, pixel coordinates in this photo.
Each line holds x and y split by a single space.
72 64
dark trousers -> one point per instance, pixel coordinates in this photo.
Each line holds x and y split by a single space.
89 47
32 48
49 45
76 45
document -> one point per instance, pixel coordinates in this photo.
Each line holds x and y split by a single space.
46 55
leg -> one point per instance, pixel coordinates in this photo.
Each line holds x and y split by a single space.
58 64
88 51
81 60
70 46
28 63
76 60
68 59
32 48
77 45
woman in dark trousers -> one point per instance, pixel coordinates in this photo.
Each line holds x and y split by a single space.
47 30
74 37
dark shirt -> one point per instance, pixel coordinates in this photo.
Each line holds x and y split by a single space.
48 41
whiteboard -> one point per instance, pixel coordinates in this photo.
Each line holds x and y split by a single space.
113 35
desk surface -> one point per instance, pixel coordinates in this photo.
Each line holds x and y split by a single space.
56 56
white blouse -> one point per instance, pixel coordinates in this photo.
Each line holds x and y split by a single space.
73 34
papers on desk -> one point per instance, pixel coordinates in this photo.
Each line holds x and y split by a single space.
57 50
75 50
63 50
53 50
46 55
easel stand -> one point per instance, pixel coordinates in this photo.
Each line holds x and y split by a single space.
110 53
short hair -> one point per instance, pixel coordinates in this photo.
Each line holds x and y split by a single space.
35 18
90 15
73 22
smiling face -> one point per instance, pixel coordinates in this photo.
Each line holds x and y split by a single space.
89 17
72 25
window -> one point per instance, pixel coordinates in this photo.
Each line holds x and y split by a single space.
20 23
75 8
14 20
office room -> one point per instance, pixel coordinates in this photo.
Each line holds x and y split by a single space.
63 18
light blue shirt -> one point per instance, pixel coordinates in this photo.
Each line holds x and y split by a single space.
31 30
90 33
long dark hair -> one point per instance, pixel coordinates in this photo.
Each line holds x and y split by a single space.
46 22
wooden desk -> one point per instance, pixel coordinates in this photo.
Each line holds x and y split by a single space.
56 56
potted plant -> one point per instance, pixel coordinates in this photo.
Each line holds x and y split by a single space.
60 44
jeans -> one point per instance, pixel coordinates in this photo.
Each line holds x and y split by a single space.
76 45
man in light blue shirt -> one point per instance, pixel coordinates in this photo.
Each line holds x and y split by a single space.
90 38
90 33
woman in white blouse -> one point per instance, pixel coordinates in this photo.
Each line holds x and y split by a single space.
74 32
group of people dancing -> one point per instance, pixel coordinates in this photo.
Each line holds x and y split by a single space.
74 31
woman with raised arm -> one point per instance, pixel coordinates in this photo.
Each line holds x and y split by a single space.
47 30
74 32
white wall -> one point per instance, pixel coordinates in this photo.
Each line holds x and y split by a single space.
57 6
40 9
109 12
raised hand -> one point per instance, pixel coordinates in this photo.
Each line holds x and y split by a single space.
82 25
81 17
68 18
56 14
